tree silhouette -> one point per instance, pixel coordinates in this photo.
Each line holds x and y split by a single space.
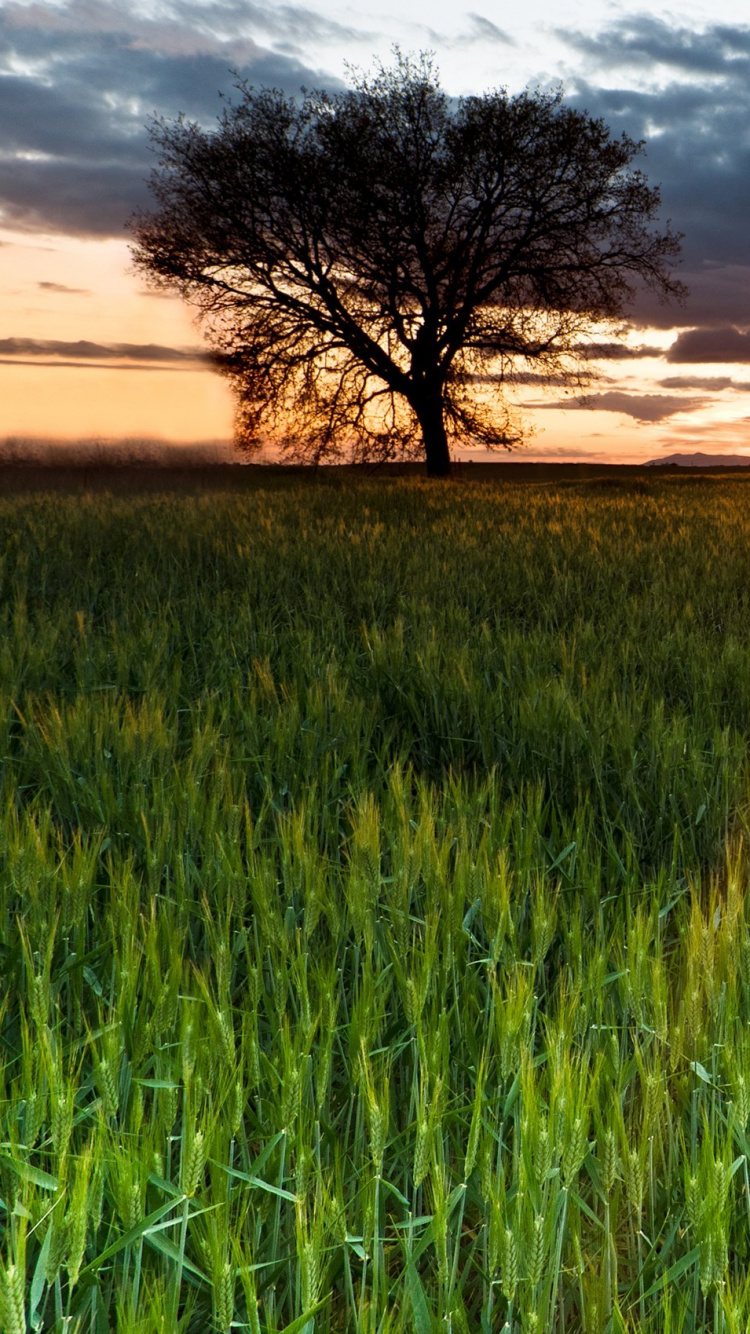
374 267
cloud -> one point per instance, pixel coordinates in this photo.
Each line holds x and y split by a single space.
484 30
184 26
62 288
39 351
697 150
642 407
723 435
551 453
719 294
79 80
710 345
61 364
616 351
642 41
713 383
686 92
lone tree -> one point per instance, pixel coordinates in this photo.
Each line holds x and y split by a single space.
373 267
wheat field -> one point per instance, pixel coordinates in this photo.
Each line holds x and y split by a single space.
374 908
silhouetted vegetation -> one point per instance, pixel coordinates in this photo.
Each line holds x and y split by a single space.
373 268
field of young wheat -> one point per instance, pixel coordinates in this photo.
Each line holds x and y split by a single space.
374 909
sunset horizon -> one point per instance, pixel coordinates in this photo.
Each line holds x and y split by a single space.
88 350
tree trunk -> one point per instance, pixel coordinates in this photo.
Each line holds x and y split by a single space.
437 454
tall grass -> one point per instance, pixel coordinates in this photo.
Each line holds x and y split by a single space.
374 920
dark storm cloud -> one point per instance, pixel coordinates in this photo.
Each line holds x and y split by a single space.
707 345
81 199
719 294
77 84
697 150
643 42
687 93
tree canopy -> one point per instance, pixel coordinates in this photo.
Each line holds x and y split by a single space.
374 267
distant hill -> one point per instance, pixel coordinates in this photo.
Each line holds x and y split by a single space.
701 461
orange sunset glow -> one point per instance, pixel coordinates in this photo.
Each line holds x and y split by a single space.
62 289
87 351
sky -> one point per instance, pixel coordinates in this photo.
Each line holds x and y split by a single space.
87 351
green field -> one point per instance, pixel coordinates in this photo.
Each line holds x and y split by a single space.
374 911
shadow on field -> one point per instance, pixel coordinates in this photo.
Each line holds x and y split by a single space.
123 478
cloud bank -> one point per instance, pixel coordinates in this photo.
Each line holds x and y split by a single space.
45 353
711 345
686 92
645 408
78 81
83 350
79 78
